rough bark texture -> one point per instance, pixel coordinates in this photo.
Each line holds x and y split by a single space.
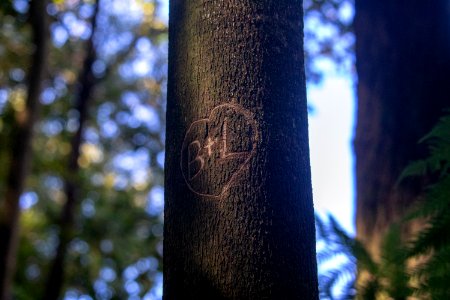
20 152
239 214
83 98
403 65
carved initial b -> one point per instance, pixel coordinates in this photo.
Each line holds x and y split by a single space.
215 150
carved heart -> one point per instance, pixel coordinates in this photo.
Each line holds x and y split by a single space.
215 150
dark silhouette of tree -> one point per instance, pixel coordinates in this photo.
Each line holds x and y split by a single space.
403 62
83 99
239 220
20 138
63 245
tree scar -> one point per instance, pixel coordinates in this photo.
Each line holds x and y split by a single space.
217 149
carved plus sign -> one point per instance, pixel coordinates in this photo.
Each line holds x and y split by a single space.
209 145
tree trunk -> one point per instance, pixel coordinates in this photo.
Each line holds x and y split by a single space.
403 65
83 98
239 218
20 152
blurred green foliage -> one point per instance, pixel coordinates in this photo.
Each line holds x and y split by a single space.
418 267
116 249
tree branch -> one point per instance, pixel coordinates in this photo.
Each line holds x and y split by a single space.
20 150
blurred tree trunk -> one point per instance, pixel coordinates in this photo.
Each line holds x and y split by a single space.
83 98
403 65
20 150
239 218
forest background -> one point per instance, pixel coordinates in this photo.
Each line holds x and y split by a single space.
82 114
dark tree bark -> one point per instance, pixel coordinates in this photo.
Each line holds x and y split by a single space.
239 218
83 98
20 151
403 65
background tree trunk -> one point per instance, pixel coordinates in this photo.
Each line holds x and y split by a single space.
403 65
20 152
83 98
239 218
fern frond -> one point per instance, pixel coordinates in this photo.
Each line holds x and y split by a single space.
349 290
368 290
353 247
344 273
440 130
416 168
434 236
437 200
327 281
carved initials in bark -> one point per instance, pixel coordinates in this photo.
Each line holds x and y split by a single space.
217 149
